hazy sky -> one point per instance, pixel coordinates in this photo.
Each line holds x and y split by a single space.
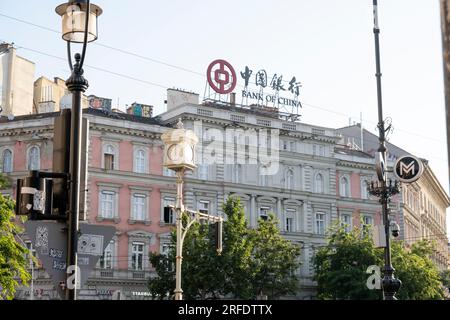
327 44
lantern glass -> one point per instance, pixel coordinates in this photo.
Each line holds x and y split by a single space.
74 20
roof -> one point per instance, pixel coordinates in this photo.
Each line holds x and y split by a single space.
371 142
352 152
92 111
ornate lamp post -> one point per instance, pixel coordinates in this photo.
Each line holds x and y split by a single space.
381 188
79 25
179 155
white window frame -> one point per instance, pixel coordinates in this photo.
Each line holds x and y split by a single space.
11 161
344 186
115 153
364 191
322 219
264 212
114 203
290 180
347 225
134 255
140 162
34 161
366 216
290 213
110 249
319 185
168 172
168 200
201 206
143 215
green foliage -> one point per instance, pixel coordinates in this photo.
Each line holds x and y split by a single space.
4 182
275 261
251 261
420 277
13 264
340 267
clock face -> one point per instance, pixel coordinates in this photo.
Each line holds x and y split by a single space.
181 153
175 152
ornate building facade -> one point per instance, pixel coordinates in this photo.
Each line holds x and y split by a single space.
299 172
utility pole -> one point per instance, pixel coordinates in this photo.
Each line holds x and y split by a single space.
390 284
445 30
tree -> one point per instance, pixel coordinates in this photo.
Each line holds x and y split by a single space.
420 277
251 261
13 264
275 261
340 267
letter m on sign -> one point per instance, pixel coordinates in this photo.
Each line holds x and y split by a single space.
410 168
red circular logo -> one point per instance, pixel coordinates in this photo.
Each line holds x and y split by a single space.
221 76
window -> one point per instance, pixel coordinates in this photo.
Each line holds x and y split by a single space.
165 250
203 171
139 161
106 260
289 179
367 220
139 207
320 223
318 183
237 173
285 145
346 222
364 191
264 213
31 248
289 219
289 224
137 256
168 173
203 206
34 158
109 157
344 187
319 150
292 146
168 211
107 204
7 161
263 178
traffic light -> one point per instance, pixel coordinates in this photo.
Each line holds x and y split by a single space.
34 196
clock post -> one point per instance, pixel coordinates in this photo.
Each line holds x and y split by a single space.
179 155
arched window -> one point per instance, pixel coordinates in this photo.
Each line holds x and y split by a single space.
344 187
318 183
34 158
109 154
7 161
289 179
364 191
139 161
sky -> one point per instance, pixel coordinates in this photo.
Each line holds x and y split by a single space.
145 47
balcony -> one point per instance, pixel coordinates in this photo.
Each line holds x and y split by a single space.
122 274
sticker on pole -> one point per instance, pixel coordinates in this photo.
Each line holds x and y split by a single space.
90 244
408 168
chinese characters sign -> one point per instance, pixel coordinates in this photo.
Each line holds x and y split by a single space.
266 88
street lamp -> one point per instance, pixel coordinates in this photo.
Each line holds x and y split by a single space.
381 188
179 155
79 25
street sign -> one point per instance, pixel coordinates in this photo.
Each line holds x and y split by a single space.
408 168
380 163
50 240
